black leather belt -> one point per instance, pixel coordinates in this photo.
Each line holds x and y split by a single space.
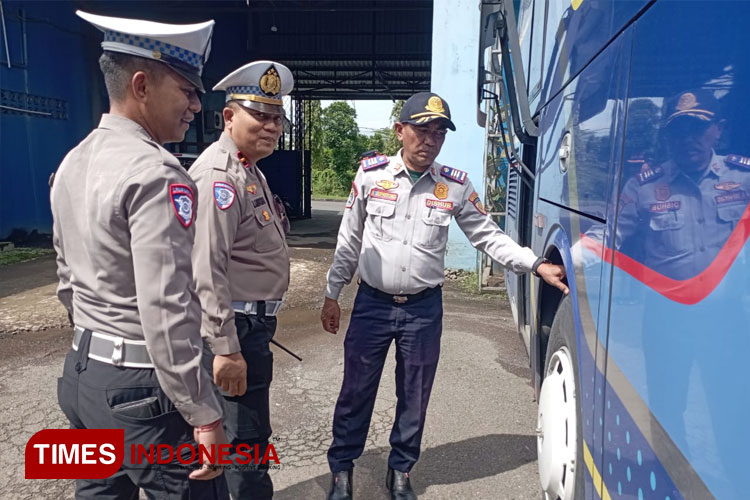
400 299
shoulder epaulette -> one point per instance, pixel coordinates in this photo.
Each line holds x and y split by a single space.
367 154
453 174
373 162
742 161
649 174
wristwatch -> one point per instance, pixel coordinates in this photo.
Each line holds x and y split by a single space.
539 262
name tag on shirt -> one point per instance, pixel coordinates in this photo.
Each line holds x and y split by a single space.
442 205
380 194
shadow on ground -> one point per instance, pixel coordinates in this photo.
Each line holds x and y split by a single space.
471 459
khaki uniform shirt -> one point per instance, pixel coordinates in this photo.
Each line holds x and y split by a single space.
123 232
240 249
396 231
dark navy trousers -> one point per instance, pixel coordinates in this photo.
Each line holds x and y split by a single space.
376 321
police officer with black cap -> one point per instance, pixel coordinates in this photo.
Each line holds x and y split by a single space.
394 231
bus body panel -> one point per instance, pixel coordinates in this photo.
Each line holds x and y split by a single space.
661 344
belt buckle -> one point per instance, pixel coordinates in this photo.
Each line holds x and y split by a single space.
400 299
117 355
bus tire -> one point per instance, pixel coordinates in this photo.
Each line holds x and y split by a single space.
559 429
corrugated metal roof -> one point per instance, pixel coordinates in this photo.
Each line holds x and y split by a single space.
337 49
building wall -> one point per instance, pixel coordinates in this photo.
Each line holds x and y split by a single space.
49 73
455 41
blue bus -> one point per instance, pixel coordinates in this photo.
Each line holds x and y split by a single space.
625 128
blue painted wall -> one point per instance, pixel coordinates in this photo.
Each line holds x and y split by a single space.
49 58
455 41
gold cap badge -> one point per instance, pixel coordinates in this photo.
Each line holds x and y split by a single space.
687 101
270 83
435 104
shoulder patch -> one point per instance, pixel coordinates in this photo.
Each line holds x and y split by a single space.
741 161
224 195
352 196
373 162
453 174
182 202
649 174
477 202
225 161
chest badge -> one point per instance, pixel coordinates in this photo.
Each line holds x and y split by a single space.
266 215
386 184
252 189
441 191
662 192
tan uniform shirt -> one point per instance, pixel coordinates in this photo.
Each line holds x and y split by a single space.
123 232
396 231
240 249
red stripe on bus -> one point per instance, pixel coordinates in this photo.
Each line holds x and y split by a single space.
690 291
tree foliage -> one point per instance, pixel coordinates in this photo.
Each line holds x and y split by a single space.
336 145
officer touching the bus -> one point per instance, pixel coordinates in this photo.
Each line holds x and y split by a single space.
394 230
241 260
123 233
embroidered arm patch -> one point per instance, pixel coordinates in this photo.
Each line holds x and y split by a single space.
182 202
224 195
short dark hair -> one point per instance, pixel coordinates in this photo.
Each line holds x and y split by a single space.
119 68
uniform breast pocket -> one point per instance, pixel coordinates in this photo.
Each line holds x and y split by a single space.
268 238
670 231
434 229
731 214
381 217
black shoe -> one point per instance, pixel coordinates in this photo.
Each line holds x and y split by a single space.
341 485
399 485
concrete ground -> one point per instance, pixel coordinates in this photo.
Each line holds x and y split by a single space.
478 441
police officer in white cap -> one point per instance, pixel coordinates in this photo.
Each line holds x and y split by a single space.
241 259
123 233
394 230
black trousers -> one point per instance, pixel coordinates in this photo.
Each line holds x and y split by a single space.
89 389
247 418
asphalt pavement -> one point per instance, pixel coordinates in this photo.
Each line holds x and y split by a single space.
479 439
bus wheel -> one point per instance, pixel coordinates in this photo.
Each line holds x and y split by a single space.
559 433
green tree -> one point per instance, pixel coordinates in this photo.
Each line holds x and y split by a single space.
341 137
392 144
337 150
314 127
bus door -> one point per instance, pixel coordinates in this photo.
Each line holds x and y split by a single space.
580 144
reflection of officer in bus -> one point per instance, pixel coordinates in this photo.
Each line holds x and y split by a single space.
677 217
684 209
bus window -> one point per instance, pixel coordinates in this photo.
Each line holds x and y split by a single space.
534 83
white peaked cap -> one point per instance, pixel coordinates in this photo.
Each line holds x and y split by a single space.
184 47
259 85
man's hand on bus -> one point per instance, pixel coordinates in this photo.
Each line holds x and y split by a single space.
553 274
